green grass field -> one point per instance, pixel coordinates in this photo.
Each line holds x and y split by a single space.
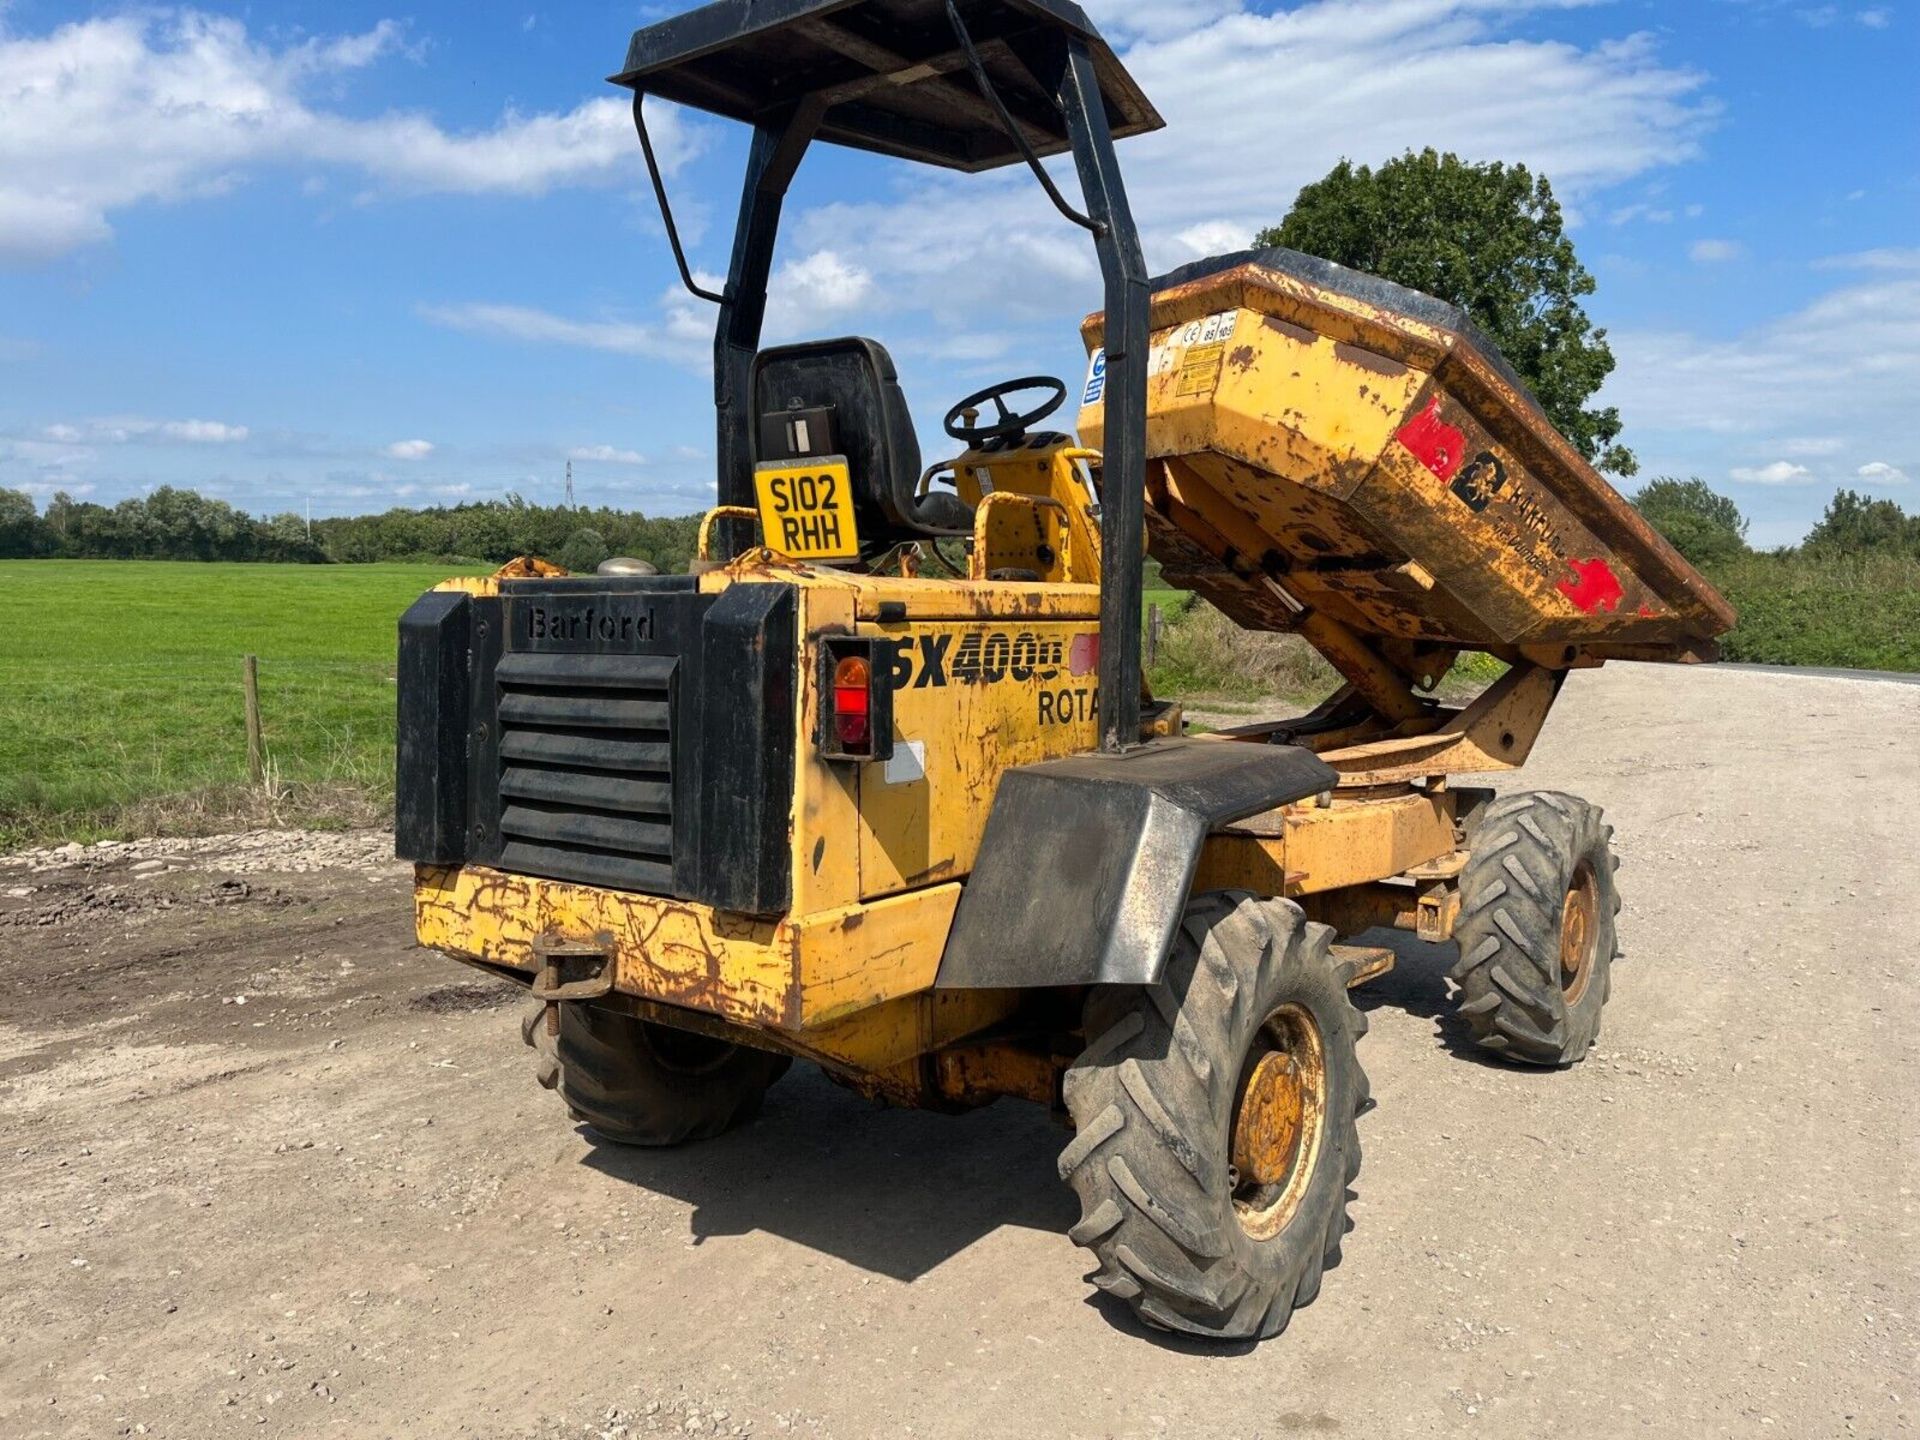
122 690
120 681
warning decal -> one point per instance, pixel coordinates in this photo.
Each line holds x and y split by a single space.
1096 378
1200 369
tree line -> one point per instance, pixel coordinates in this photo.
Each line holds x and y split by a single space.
1708 528
1848 595
178 524
172 524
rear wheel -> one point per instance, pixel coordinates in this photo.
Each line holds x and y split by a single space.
1536 929
637 1083
1214 1117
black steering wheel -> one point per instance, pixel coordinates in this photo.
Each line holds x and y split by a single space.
1012 424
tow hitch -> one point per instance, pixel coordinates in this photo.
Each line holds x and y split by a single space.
570 970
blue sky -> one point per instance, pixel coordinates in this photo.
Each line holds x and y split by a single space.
362 254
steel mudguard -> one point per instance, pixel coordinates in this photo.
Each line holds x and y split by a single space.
1086 862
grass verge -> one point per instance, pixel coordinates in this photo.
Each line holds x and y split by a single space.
1852 612
1208 661
124 703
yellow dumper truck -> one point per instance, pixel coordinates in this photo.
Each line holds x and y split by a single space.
880 786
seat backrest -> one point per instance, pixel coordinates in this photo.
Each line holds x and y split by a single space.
841 397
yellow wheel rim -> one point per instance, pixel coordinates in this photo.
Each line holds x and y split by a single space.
1579 933
1279 1121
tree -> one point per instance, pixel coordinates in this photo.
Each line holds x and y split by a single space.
1702 524
583 551
285 538
1857 525
22 532
1487 238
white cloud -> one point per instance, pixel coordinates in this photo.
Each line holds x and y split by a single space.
1159 19
969 348
47 489
804 295
606 455
1714 252
663 340
1256 106
1885 259
202 432
156 105
129 429
1780 472
523 154
1847 363
804 298
1821 389
410 449
804 292
1303 87
1878 18
1213 237
1361 78
45 456
1811 395
958 252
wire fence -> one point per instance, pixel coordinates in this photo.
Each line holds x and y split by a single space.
96 737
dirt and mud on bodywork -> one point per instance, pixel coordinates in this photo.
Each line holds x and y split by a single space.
1325 442
642 765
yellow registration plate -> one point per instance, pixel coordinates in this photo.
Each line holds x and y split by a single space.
806 508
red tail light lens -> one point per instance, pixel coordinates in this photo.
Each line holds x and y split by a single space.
853 705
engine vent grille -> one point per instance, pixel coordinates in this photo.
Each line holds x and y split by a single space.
586 771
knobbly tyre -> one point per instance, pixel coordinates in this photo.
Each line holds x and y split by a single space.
879 785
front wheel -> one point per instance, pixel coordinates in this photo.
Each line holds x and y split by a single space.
1536 929
637 1083
1214 1117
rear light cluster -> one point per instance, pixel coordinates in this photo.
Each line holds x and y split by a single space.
853 705
856 702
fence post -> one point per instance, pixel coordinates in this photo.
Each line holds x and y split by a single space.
256 749
1153 635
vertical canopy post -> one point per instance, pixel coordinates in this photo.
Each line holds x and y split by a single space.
1123 465
772 158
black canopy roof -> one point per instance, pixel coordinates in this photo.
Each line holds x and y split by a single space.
892 73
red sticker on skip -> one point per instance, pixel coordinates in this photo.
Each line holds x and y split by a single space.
1435 444
1594 586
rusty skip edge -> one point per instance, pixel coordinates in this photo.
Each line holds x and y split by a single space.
1455 365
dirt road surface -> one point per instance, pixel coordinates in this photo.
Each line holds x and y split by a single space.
270 1171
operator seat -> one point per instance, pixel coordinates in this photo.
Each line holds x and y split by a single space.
843 397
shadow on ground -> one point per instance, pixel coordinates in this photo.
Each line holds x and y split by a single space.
897 1192
894 1192
1417 984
